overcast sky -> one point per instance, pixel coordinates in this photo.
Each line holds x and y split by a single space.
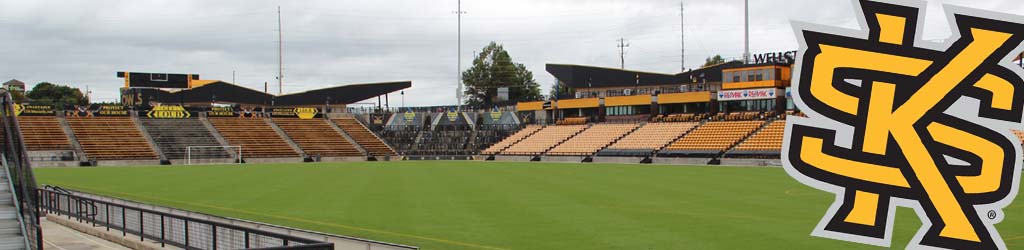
337 42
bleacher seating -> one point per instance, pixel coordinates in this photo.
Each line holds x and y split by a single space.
572 121
255 136
511 140
766 141
649 138
593 139
173 136
743 116
402 138
543 140
368 140
316 137
626 118
713 137
679 118
444 140
43 133
488 135
111 138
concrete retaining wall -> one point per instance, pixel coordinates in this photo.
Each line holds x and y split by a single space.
614 159
682 161
349 158
512 158
127 162
54 164
552 158
751 162
272 160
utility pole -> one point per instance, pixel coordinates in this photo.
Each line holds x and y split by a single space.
746 31
682 40
458 93
233 77
622 52
280 61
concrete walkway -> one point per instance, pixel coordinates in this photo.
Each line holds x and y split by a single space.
56 236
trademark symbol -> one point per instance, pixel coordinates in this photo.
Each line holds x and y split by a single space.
992 214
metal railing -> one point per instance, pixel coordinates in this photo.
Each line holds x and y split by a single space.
23 182
166 228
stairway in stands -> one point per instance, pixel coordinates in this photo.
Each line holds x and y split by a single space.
173 136
362 135
10 227
255 136
111 138
316 137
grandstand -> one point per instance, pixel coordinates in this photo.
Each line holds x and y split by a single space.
174 136
256 137
544 140
401 137
489 135
317 137
593 139
364 137
648 139
111 138
512 139
444 140
43 133
711 138
766 142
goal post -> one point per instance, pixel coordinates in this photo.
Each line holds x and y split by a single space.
209 155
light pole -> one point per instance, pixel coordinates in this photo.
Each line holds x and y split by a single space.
458 93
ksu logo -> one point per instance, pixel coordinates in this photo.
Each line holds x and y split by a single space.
894 121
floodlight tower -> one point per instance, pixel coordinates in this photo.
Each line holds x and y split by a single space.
458 93
746 31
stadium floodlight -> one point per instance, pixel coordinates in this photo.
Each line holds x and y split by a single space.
210 155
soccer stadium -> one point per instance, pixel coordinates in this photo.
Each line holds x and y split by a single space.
614 158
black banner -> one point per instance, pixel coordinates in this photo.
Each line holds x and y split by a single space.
301 113
222 112
96 110
33 110
169 112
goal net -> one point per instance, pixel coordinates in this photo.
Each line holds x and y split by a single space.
208 155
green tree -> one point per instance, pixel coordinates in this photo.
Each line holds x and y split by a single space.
46 93
492 69
18 96
717 59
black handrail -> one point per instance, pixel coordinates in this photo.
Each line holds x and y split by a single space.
94 211
171 229
20 172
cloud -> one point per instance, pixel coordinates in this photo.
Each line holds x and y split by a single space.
331 43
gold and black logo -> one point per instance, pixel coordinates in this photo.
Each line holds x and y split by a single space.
893 120
174 111
306 113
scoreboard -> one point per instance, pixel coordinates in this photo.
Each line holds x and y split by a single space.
157 80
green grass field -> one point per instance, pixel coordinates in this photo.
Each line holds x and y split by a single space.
451 205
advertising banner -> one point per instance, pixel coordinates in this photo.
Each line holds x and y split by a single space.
746 94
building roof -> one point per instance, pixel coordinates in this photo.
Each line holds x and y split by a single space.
14 82
580 76
225 92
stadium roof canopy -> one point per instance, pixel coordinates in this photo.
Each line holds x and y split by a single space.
579 76
224 92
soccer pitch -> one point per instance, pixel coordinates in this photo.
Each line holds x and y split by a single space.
452 205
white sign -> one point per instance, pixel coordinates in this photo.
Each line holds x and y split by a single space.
746 94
